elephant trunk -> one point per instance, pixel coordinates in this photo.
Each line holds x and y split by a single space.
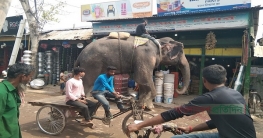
185 69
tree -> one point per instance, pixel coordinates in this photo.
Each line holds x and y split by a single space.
4 7
36 21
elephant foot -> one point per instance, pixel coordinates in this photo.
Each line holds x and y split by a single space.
149 105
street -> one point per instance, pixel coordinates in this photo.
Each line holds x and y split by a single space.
73 129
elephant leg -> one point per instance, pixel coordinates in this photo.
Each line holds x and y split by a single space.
147 91
89 79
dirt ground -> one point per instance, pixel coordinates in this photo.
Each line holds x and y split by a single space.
30 129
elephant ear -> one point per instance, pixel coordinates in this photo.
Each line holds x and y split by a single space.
176 48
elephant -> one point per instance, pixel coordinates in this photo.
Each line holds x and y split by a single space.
140 61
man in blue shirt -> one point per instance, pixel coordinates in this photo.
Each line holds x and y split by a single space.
103 87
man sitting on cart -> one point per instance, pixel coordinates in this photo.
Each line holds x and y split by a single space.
75 96
103 87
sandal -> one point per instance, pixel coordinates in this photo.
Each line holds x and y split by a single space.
88 124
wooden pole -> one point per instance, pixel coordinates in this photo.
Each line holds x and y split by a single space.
201 71
17 42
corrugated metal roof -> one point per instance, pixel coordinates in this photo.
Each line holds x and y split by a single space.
81 34
178 15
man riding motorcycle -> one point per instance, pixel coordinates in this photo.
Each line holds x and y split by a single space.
226 108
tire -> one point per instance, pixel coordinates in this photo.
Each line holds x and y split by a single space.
130 115
54 122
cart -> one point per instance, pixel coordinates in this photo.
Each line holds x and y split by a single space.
54 113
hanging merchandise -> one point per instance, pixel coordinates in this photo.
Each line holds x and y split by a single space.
65 44
49 64
80 45
43 45
210 41
55 49
41 64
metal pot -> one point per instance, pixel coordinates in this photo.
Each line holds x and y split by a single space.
49 61
49 66
27 52
28 63
40 76
40 70
27 59
27 56
49 54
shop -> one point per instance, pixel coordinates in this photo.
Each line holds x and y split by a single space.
211 35
58 50
229 31
7 40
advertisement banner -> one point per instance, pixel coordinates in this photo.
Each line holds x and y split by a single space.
11 25
217 21
172 7
116 10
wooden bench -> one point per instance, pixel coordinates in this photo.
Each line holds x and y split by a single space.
55 101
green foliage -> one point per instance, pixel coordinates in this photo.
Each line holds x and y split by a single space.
48 12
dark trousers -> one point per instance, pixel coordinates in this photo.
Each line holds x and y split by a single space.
86 109
101 97
151 38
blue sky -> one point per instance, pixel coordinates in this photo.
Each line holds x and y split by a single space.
72 14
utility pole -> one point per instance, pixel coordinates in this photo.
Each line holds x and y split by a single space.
4 7
17 42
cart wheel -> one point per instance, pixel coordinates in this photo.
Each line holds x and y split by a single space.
51 120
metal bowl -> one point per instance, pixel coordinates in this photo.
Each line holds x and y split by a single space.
36 87
37 84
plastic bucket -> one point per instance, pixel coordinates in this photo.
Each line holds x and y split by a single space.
168 86
168 99
168 92
159 89
158 81
168 78
159 74
158 98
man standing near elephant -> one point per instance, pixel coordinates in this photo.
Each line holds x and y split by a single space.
103 87
141 31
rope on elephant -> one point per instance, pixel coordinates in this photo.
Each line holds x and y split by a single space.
120 52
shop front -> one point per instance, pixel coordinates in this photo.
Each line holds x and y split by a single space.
7 40
218 38
58 50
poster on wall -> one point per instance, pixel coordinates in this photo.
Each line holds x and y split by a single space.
116 10
175 7
205 22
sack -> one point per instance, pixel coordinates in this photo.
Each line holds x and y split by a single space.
122 35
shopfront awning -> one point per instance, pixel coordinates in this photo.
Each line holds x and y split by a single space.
80 34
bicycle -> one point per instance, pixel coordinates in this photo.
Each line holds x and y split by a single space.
254 100
52 116
147 131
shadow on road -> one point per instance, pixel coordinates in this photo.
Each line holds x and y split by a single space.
72 130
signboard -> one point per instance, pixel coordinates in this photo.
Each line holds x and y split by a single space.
11 25
116 10
172 7
229 20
